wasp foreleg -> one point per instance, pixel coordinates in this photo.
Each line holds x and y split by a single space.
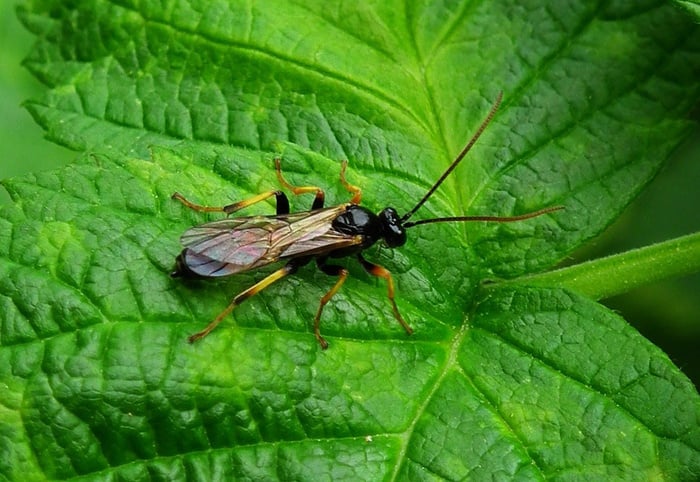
331 270
288 269
354 190
381 272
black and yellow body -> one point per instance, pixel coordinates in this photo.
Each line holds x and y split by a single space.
237 244
234 245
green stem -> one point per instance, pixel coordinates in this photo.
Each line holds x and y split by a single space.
620 273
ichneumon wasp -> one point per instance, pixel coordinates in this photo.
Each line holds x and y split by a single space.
234 245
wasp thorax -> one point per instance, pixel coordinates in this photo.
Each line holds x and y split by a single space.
394 233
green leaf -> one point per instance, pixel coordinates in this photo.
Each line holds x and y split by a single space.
606 277
691 5
512 382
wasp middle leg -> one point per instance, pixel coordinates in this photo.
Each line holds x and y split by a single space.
281 199
331 270
297 190
320 195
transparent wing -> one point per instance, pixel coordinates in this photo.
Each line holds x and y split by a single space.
229 246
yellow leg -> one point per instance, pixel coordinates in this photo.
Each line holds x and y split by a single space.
354 190
282 203
376 270
240 298
342 274
297 190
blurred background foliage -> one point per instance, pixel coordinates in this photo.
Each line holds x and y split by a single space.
668 313
23 146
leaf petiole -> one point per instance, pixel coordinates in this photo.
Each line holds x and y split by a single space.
620 273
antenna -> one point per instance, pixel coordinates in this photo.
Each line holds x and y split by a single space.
457 160
499 219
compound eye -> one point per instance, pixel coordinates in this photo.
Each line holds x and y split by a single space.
394 233
394 239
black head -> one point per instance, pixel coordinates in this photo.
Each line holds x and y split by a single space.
393 231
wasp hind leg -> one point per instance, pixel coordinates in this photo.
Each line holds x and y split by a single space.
331 270
381 272
289 268
280 198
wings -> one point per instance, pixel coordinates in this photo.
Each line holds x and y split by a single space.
229 246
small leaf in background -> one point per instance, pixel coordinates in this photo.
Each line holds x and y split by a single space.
513 381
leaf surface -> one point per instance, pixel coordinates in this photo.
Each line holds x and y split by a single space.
513 382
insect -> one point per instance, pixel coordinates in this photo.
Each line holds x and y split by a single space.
234 245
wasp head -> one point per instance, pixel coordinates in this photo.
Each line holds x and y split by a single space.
393 231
